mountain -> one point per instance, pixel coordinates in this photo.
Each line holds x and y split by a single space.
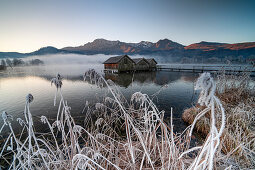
165 49
142 44
41 51
101 46
218 52
12 55
208 46
117 47
166 44
46 50
204 46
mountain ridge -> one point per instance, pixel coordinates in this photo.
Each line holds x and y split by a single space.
163 47
105 46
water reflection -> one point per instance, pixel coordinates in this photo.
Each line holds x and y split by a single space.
157 77
178 95
126 79
16 84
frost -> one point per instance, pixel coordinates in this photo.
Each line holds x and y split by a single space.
100 136
57 81
56 124
99 106
43 119
6 117
99 122
108 100
21 121
138 96
77 129
29 98
207 97
110 82
206 84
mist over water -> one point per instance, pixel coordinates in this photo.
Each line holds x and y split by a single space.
71 59
68 64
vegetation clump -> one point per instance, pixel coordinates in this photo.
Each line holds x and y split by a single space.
237 95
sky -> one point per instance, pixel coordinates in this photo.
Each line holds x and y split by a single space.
27 25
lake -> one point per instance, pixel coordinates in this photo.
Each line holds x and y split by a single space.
16 83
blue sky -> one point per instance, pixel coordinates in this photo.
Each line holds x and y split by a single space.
30 24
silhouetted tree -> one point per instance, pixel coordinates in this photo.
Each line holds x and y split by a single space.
16 62
3 63
36 62
9 62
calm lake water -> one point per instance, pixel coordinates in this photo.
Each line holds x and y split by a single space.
16 83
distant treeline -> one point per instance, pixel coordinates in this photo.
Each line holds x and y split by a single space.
18 62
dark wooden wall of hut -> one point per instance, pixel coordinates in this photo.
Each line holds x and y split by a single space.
126 64
153 64
142 66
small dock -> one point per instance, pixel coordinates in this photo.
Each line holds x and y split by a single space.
196 68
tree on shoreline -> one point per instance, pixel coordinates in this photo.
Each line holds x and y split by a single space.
3 63
36 62
16 62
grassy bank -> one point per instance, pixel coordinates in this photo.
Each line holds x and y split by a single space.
237 95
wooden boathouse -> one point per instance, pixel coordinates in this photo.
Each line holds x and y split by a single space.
141 64
119 64
125 64
153 63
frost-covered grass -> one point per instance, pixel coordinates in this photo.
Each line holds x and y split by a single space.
237 95
116 134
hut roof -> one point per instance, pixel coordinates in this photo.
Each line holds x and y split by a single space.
137 60
114 60
151 59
